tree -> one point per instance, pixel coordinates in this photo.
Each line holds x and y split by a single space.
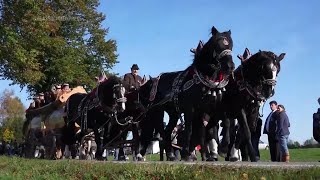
10 106
49 42
8 135
293 144
11 115
310 142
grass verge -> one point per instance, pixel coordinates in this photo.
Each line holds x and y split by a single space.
20 168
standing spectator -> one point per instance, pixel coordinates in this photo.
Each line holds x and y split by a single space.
270 130
282 132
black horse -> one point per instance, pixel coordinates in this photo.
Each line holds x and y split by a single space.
94 111
182 91
254 83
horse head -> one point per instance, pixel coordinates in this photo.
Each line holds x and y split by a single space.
214 59
111 93
260 71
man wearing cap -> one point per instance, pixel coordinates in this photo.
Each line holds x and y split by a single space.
133 79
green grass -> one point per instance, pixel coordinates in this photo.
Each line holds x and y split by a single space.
296 155
20 168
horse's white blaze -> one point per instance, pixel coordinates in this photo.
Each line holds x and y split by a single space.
274 73
123 104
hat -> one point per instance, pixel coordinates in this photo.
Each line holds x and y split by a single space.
65 84
41 94
135 67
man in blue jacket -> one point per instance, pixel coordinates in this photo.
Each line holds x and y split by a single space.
282 132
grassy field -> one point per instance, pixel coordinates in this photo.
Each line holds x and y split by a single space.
296 155
20 168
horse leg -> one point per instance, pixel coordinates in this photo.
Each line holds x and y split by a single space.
122 156
212 139
233 135
223 148
147 128
162 147
247 134
135 139
99 137
189 116
244 151
160 129
173 120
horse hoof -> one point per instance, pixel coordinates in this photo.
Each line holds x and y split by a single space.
188 159
222 154
122 158
233 159
211 158
140 158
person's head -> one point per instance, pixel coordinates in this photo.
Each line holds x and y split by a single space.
65 87
41 95
281 108
36 97
273 105
135 69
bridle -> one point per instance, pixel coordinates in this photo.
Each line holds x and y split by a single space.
113 108
217 57
245 85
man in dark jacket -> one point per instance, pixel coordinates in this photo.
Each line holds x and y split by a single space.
270 130
133 80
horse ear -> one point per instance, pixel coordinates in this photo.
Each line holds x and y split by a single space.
246 54
241 58
201 44
214 31
150 77
193 50
229 32
199 47
248 51
259 50
281 56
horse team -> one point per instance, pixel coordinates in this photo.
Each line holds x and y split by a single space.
208 91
